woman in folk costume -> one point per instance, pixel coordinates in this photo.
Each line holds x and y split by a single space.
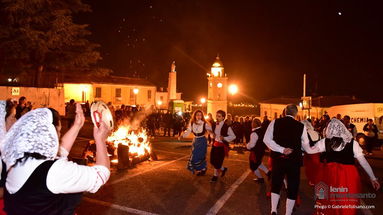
40 179
340 170
312 161
199 127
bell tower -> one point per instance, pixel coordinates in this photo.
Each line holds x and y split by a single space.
217 88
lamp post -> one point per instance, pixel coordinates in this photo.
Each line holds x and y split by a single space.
203 102
135 91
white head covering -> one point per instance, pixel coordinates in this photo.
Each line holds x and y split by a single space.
337 129
32 133
310 130
3 112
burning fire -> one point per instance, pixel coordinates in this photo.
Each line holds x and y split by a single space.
136 140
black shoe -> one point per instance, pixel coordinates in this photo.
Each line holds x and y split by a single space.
223 172
259 180
273 213
201 173
214 179
268 175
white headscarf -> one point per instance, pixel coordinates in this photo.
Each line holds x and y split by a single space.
337 129
3 112
32 133
310 130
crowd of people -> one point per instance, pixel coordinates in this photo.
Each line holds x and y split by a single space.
38 178
328 156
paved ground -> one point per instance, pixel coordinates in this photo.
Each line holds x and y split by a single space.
166 187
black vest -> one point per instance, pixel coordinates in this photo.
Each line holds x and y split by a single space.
288 134
35 198
199 134
345 156
260 145
223 132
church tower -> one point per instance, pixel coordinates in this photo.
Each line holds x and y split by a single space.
172 82
217 88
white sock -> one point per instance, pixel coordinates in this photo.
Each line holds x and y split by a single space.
258 173
274 202
263 168
215 172
289 206
222 168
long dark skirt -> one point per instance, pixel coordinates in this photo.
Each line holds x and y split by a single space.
197 159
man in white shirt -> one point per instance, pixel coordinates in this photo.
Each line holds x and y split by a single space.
223 134
286 137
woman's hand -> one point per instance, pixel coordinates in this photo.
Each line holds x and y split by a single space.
100 133
375 184
80 118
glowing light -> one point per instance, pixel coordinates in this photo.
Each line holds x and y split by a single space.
9 79
300 104
203 100
217 72
340 13
159 103
136 90
219 85
233 89
84 88
179 113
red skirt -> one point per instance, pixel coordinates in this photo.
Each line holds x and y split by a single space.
313 167
338 175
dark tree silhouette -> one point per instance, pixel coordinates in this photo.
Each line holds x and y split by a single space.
39 38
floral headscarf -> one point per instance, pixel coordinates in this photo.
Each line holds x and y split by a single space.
32 133
337 129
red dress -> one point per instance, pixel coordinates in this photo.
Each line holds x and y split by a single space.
341 179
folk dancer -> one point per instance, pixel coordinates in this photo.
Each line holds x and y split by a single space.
285 137
340 170
199 127
257 151
223 134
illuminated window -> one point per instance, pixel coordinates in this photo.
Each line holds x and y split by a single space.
149 95
98 92
118 92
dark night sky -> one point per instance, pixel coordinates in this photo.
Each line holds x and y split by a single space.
266 46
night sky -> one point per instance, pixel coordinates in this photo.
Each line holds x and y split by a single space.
266 46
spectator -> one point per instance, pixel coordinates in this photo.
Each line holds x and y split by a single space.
350 127
70 111
22 107
247 128
371 133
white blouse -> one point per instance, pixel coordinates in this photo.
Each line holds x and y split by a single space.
63 177
197 128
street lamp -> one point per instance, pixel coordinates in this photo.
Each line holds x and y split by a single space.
203 100
135 91
233 89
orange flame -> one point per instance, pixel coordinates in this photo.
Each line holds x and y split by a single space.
136 140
